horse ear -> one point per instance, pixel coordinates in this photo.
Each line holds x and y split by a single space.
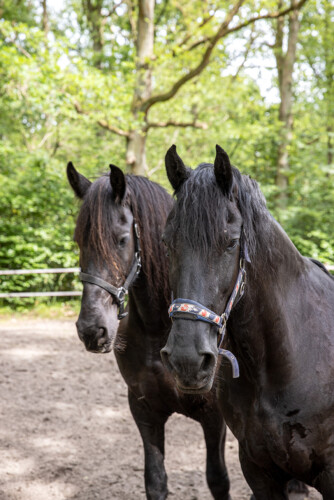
78 182
118 183
223 170
177 172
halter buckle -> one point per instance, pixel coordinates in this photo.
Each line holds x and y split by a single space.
138 259
121 313
121 292
137 230
224 321
221 330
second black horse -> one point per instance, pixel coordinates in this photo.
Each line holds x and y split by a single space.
279 323
120 223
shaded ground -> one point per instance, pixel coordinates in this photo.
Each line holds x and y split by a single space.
66 431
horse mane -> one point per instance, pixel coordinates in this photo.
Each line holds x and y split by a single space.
150 205
201 209
322 267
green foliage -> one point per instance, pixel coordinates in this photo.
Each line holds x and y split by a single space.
36 225
56 90
18 11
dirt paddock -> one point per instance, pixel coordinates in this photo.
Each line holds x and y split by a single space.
66 431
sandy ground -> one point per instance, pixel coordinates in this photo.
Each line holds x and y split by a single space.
66 431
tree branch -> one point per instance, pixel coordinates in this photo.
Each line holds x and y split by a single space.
189 35
272 15
172 123
110 12
222 31
246 53
270 45
102 123
161 13
45 138
311 64
111 128
20 48
132 22
57 143
196 44
199 68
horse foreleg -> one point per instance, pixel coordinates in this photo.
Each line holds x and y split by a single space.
152 431
295 486
264 485
214 429
324 483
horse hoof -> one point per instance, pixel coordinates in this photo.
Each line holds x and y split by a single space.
295 486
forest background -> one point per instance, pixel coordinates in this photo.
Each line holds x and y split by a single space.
102 81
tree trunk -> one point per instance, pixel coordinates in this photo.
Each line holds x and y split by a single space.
330 146
92 10
143 96
45 18
285 63
136 153
329 78
136 142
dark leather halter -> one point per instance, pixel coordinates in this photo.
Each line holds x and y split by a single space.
192 310
120 293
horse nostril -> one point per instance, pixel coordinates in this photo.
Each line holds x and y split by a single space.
207 363
102 336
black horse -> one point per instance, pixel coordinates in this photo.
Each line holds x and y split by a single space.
279 326
118 231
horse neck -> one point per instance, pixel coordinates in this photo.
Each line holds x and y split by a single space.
148 297
148 308
262 328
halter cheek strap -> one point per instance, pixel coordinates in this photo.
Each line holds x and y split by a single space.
119 293
192 310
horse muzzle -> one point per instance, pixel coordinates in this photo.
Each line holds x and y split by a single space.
192 366
98 339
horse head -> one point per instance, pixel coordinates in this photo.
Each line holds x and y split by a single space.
203 235
107 237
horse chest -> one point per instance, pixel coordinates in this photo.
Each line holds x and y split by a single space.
276 437
146 377
269 434
269 438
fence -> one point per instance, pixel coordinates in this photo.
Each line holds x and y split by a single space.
50 271
40 294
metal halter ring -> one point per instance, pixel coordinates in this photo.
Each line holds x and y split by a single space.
121 293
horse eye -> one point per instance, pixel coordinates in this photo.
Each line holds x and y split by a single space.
232 244
123 241
165 245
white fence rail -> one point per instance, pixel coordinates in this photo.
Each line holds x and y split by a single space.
59 270
41 271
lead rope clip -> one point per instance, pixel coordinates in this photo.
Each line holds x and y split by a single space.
227 354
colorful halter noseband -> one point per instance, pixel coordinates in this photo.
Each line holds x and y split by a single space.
191 310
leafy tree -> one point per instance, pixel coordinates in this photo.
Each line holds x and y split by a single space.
171 56
63 97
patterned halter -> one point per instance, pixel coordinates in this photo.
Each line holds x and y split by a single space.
191 310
